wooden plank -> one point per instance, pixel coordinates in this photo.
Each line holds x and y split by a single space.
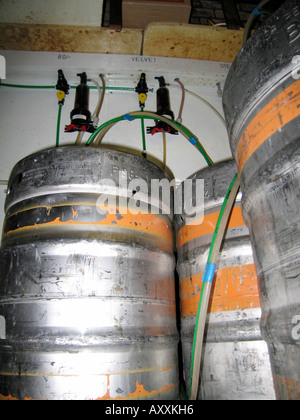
192 41
165 40
140 13
69 38
115 15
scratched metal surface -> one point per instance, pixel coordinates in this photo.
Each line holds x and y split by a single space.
236 362
263 122
88 296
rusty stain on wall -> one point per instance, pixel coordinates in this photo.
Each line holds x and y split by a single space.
192 41
69 38
158 39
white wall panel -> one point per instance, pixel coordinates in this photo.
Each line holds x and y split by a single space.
56 12
28 116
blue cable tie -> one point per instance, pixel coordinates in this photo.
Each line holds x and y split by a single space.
256 12
193 140
128 117
209 272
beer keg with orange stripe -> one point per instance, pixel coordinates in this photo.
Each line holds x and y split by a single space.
262 108
87 289
235 362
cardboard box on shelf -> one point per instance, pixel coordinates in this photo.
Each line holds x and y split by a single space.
139 13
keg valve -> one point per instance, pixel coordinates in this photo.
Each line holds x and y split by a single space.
62 87
163 109
81 119
142 90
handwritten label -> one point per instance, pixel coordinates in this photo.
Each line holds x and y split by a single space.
140 59
225 65
63 56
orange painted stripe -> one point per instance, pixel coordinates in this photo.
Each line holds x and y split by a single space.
144 223
289 387
139 393
234 288
7 398
208 225
279 112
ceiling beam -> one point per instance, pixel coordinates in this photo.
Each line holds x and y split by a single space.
231 14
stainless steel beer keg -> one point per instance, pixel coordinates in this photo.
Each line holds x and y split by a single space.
235 362
261 104
87 282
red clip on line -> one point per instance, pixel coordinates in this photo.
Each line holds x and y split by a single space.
159 130
70 127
